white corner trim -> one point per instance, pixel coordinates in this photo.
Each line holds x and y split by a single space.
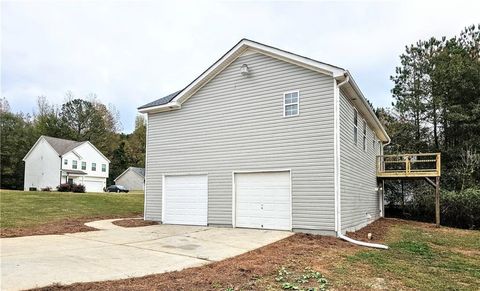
146 174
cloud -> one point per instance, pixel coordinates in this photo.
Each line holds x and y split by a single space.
131 52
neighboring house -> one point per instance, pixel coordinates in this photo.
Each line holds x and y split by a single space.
53 161
265 138
132 178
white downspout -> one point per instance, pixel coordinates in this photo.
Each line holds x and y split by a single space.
338 221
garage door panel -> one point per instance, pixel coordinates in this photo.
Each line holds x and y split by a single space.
263 200
186 199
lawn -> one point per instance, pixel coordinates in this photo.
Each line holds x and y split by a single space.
421 257
24 209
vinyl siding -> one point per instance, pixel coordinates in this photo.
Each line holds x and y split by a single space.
357 172
130 180
236 123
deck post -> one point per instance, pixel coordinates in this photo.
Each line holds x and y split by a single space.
437 201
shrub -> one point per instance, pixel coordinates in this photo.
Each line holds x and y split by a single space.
458 208
461 208
78 188
65 187
46 189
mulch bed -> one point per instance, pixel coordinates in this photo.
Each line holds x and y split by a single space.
134 222
242 272
70 225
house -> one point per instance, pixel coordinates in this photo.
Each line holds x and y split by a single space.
265 138
53 161
132 178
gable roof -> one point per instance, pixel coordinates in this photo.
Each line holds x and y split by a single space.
63 146
175 100
139 171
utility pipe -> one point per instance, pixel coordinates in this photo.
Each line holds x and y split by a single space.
361 243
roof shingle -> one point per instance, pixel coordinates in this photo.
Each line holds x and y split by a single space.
62 146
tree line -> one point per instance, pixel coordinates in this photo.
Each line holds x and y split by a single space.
76 119
436 108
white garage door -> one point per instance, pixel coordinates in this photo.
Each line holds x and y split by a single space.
93 185
263 200
185 199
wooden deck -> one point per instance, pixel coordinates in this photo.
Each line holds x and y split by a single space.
408 166
412 166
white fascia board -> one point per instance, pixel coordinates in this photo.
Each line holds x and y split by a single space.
231 56
160 108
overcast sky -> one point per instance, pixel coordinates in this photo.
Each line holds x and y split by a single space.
132 52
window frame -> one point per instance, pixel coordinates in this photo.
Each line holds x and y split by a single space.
65 161
94 167
364 133
355 126
104 168
82 166
289 104
74 164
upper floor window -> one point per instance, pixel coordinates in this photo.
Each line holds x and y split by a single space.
74 164
291 102
104 168
84 165
65 161
374 141
364 135
355 126
94 166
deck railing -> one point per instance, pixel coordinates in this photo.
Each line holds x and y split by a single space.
409 165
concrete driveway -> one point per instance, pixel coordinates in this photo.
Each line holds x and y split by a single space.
118 253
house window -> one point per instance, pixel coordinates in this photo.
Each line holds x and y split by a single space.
74 164
94 166
65 162
104 168
84 165
364 135
374 141
355 126
291 104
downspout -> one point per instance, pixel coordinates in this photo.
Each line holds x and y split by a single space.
338 222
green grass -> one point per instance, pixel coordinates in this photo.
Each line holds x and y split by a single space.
423 258
27 209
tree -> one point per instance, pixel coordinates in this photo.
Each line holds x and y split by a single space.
137 143
16 138
47 120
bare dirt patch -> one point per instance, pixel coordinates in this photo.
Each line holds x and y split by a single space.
134 222
378 229
70 225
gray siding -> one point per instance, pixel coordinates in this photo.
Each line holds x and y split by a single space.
130 180
236 123
357 172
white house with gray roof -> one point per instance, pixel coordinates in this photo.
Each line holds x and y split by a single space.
265 138
132 178
54 161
